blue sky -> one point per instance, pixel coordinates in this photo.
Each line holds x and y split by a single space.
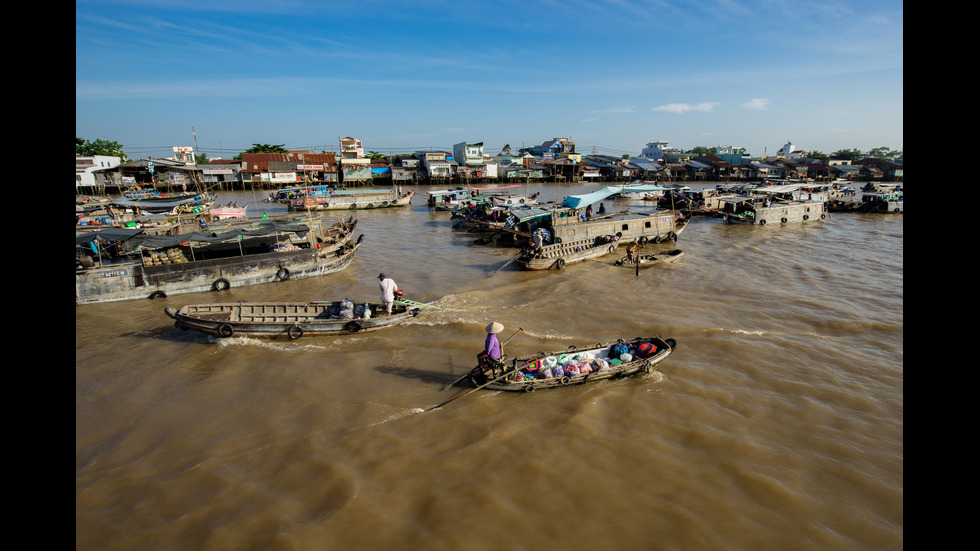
404 76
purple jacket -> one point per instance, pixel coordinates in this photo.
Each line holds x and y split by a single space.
492 347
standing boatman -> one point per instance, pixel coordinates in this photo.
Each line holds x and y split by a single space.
388 289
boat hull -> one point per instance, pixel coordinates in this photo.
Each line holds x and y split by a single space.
626 369
133 280
283 320
558 255
780 213
352 202
650 260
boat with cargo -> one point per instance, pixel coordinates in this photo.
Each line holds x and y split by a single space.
118 264
573 366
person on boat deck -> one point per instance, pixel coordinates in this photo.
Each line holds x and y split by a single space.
588 212
388 288
631 251
602 209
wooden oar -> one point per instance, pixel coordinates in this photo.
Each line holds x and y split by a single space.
452 384
518 255
413 303
471 391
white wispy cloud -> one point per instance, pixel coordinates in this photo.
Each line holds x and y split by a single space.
686 107
756 104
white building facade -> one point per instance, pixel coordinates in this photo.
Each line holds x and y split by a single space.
655 150
86 166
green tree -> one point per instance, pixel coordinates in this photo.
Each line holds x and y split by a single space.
702 150
375 155
505 149
201 158
263 148
99 147
884 153
849 154
816 154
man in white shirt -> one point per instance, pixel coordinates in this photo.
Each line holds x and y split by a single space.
388 288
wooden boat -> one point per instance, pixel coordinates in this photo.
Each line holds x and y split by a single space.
228 212
759 210
653 259
290 320
353 199
557 255
883 201
527 373
118 264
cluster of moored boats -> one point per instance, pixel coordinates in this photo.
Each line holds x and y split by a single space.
202 247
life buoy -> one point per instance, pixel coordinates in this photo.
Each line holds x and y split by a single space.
221 284
283 273
352 326
157 294
225 330
294 332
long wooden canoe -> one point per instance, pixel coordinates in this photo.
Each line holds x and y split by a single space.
653 259
290 320
527 373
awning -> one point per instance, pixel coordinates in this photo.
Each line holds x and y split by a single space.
579 201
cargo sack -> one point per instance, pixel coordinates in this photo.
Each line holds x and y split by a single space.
645 349
618 350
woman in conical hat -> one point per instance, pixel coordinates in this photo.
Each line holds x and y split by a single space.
492 346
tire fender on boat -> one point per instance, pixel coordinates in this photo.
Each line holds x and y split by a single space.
565 380
294 332
225 330
157 294
283 273
352 326
643 240
560 263
221 284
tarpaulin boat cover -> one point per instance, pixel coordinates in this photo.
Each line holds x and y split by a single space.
133 237
579 201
